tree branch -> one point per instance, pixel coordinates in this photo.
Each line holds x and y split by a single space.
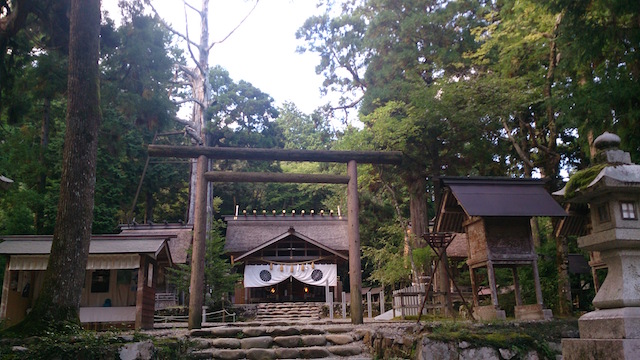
184 122
192 7
165 24
183 101
189 43
193 134
187 71
522 154
348 106
236 28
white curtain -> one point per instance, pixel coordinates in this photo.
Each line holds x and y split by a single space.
265 275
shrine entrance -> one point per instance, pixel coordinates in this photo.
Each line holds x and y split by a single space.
289 290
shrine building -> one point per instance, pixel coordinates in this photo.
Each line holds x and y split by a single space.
287 256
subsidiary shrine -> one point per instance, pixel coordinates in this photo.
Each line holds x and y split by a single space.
287 257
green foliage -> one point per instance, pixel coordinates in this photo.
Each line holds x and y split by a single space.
219 279
88 345
389 266
136 69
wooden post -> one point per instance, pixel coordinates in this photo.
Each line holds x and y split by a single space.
516 285
355 267
5 290
491 276
474 286
344 305
142 280
369 307
536 278
196 290
381 297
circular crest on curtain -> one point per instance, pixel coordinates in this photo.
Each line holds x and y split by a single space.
265 275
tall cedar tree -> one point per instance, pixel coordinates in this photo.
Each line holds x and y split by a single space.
59 301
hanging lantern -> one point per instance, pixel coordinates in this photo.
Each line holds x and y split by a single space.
281 268
313 266
291 268
270 266
302 267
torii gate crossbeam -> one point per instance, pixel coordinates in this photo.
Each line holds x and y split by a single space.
351 158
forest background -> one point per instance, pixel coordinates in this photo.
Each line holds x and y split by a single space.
470 88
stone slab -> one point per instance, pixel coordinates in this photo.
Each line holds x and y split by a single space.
622 323
260 342
288 341
261 354
345 350
598 349
286 353
339 339
532 312
225 343
315 352
314 340
488 313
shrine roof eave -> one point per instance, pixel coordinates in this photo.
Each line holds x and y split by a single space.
285 235
503 197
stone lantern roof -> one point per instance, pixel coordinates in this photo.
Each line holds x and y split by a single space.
612 171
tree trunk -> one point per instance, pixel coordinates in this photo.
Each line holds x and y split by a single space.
564 284
44 144
418 211
59 299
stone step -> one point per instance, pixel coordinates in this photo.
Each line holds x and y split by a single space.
312 352
289 311
278 342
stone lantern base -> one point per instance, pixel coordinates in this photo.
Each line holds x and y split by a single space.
488 312
606 334
532 312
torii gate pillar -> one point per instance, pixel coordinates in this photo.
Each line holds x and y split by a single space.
355 267
196 289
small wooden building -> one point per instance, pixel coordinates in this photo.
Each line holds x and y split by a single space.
123 272
287 257
495 214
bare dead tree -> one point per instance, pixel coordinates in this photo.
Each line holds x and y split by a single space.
197 79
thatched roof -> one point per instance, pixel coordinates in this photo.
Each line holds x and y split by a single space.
458 249
179 243
245 233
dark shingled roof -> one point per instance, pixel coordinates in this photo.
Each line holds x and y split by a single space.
503 197
245 233
492 197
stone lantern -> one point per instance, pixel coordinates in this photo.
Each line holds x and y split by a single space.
611 188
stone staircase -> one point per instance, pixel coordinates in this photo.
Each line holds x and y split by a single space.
290 312
279 340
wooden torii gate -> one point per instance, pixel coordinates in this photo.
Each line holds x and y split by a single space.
202 153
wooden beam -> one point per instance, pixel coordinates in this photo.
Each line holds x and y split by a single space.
227 176
365 157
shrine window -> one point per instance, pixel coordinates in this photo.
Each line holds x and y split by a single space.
100 281
628 210
603 213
